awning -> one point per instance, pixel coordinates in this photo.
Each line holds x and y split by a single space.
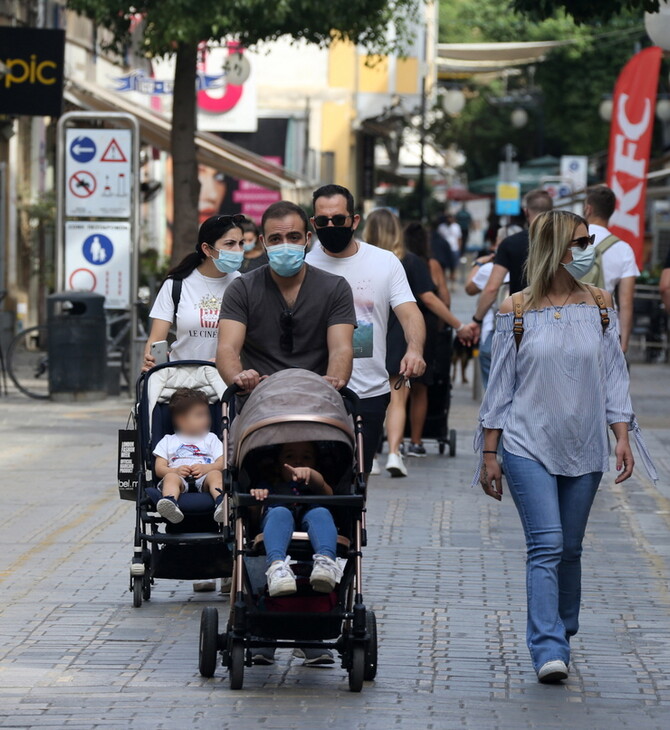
480 58
211 149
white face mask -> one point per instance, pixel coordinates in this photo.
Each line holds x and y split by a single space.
582 261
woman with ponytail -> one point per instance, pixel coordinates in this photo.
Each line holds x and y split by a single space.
190 296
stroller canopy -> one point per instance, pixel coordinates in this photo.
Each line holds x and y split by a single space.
290 406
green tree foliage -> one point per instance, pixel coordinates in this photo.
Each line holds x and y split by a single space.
583 11
572 81
178 26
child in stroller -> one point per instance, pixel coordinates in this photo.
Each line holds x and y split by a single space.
192 453
295 473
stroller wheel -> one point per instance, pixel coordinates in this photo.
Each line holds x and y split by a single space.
357 668
441 447
137 591
236 665
452 442
371 647
209 640
146 587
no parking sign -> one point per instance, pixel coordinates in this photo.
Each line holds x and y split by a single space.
97 259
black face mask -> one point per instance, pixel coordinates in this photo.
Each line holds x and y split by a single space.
335 238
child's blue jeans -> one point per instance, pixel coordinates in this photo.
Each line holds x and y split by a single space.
279 524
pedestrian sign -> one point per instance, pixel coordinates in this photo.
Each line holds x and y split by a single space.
82 149
98 173
508 198
113 153
98 249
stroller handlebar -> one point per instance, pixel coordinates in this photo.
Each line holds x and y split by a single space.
337 500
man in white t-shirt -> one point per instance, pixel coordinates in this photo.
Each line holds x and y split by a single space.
379 283
619 269
452 234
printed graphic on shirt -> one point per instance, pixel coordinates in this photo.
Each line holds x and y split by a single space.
190 452
364 332
208 313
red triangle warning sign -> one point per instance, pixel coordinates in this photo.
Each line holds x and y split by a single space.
113 153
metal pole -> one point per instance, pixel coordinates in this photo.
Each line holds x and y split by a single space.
421 186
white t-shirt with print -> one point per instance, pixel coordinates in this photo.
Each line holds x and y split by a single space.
452 234
480 280
180 450
379 284
618 261
197 314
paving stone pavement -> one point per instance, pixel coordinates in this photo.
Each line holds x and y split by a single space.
444 570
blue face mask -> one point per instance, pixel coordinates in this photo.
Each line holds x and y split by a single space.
582 261
286 259
249 245
228 261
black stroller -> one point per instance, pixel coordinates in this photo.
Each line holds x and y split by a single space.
197 547
293 406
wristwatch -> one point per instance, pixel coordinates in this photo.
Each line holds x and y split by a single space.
474 319
478 263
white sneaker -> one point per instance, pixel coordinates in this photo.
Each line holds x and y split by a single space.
395 466
552 672
325 575
281 579
376 469
168 510
220 512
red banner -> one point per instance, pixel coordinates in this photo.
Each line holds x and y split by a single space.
630 141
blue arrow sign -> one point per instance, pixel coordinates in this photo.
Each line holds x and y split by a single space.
82 149
98 249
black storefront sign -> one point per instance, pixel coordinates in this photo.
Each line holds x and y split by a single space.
31 71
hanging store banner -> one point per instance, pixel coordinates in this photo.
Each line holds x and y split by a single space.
31 71
633 109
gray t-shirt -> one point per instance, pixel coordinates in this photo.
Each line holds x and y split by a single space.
254 300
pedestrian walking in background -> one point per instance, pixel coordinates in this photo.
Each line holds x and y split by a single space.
382 229
511 255
558 380
464 220
451 232
440 250
254 253
379 284
614 268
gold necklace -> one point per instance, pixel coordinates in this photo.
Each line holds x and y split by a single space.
557 314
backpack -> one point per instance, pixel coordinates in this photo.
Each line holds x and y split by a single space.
517 303
596 277
176 295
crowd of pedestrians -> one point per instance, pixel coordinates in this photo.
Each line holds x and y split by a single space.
366 310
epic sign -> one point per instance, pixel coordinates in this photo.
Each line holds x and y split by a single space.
630 141
31 71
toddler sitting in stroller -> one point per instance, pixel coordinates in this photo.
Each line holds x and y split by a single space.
296 474
192 452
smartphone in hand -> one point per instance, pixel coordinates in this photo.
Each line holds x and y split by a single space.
159 351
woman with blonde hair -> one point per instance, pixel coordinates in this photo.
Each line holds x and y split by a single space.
558 380
382 229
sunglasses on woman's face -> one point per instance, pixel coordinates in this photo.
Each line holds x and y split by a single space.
238 219
584 242
321 221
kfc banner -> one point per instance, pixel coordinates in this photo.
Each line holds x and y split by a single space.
633 110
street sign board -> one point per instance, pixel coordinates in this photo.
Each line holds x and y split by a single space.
97 259
508 198
98 173
575 170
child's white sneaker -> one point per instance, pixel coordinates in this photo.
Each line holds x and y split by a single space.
325 574
220 512
281 579
169 510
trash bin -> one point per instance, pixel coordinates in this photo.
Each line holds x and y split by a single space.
77 346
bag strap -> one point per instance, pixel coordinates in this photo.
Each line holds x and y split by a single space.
517 303
602 307
607 243
176 294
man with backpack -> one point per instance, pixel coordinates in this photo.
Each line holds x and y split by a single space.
614 268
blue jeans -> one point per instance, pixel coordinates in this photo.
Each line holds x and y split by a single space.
554 511
485 358
278 526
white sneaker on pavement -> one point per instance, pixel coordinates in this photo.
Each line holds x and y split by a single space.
281 579
168 510
325 575
315 657
395 466
552 672
376 469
